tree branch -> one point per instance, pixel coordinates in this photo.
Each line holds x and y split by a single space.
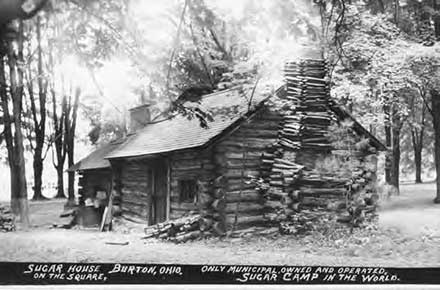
176 41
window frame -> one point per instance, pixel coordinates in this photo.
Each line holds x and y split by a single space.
187 189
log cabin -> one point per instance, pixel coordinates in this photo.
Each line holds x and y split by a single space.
257 158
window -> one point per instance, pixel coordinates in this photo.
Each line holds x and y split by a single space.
188 190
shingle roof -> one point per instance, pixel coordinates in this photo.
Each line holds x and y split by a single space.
181 133
95 160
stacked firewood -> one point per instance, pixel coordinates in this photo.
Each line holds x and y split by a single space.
6 220
298 196
309 94
178 230
305 125
213 207
279 176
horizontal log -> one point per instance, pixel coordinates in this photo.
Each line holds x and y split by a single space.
134 186
322 191
133 217
187 162
141 213
134 193
274 204
175 198
177 214
196 166
233 163
244 151
181 167
188 155
244 195
188 236
135 199
237 184
243 207
244 219
249 155
316 201
237 173
183 206
193 174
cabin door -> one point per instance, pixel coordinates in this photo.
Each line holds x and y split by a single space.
159 187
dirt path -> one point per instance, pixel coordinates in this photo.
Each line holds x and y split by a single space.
412 213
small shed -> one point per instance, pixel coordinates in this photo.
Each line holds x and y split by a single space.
169 168
95 174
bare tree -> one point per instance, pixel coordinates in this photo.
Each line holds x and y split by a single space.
38 113
13 124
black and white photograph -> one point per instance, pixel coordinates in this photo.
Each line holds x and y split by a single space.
219 142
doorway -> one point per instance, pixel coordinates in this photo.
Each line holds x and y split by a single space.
157 175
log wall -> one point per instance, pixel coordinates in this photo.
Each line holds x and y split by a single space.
194 165
238 157
135 190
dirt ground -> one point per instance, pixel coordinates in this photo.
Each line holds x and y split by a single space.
408 235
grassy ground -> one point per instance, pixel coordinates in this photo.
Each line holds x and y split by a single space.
408 235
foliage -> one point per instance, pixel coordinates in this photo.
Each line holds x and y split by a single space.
347 146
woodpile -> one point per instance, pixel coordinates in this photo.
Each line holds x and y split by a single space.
304 126
213 210
309 94
6 220
179 230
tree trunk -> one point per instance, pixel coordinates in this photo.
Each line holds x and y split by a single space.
395 161
388 160
435 99
418 161
38 175
7 127
71 128
60 182
397 12
417 140
59 144
40 125
19 201
436 19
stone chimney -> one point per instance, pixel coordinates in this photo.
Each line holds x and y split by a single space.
139 117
